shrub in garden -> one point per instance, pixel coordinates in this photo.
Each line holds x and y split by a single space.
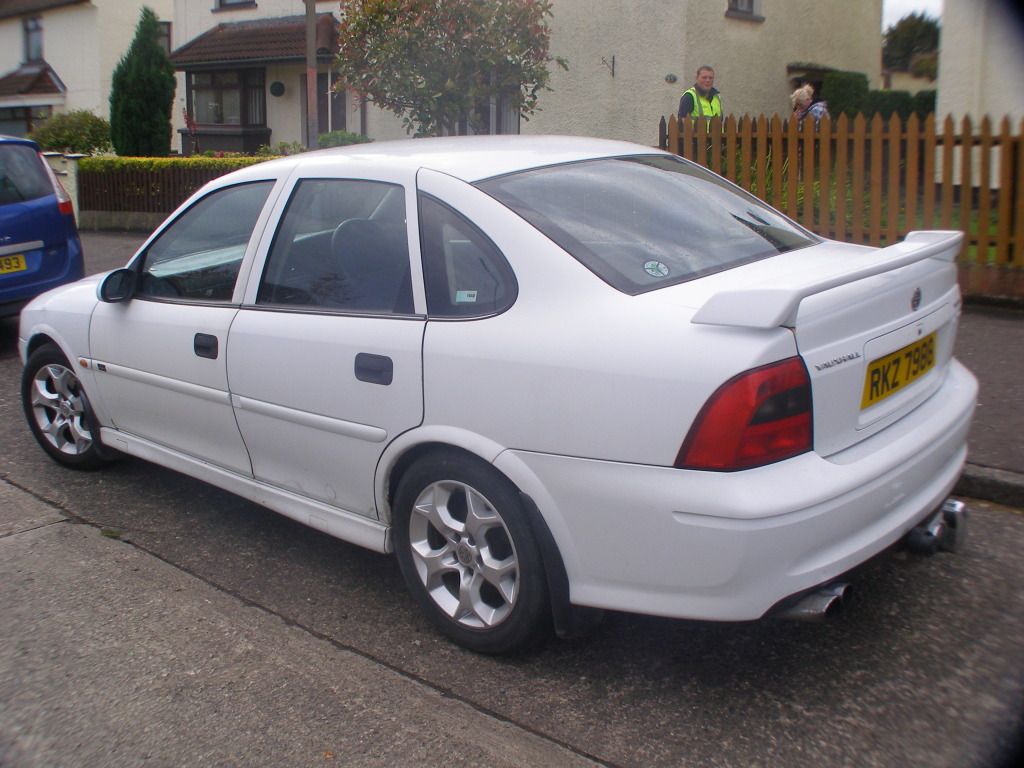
141 92
77 132
340 139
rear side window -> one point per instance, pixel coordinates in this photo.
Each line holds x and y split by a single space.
199 255
648 221
465 274
22 176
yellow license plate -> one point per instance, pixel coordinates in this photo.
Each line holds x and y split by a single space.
890 374
15 263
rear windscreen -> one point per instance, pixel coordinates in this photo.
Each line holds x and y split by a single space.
22 176
647 221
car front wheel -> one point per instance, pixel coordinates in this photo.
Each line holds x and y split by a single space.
58 410
468 554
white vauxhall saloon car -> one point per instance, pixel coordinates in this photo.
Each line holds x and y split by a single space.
553 375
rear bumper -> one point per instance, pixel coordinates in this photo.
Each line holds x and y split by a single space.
47 268
729 546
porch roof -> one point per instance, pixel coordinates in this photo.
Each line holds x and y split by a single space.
263 40
31 80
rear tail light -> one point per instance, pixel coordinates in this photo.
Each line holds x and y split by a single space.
756 418
64 204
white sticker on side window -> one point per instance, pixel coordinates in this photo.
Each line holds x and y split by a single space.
465 297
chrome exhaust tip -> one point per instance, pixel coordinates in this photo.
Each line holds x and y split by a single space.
946 530
817 605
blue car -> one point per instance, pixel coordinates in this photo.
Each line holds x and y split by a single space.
39 244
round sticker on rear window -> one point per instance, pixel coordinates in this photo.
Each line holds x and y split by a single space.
656 269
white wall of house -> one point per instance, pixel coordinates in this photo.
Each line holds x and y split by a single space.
652 39
981 61
83 44
900 80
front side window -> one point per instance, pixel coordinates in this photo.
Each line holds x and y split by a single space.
645 222
342 245
464 272
228 97
198 256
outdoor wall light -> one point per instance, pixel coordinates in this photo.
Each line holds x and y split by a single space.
277 88
670 78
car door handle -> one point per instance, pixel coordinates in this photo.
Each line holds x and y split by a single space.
205 345
374 369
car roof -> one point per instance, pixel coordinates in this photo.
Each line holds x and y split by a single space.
472 158
5 139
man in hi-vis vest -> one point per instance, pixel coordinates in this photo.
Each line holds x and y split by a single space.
701 99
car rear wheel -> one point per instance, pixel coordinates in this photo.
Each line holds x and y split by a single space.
58 410
468 554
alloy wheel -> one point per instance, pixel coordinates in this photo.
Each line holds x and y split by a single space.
463 554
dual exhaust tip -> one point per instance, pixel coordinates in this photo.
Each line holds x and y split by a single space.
945 531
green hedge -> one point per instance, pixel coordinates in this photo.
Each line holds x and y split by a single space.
887 103
111 163
845 92
924 103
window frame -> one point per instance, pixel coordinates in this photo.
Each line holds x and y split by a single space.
746 10
220 6
32 39
251 89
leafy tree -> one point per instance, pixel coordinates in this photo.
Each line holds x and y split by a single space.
79 131
436 63
141 93
911 36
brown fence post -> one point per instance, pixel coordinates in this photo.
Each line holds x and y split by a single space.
1004 214
895 135
875 182
984 191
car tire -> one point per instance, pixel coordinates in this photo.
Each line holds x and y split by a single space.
58 411
469 556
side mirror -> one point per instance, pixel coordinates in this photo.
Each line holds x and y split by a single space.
118 286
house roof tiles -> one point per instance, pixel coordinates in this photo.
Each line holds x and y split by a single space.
279 39
11 8
31 80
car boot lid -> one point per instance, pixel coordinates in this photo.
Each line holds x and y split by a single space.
771 304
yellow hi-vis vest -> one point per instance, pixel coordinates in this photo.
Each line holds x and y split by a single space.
703 107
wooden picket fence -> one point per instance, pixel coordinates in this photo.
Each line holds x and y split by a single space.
873 180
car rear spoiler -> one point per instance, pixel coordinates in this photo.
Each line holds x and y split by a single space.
771 307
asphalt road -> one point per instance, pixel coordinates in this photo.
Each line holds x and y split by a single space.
925 667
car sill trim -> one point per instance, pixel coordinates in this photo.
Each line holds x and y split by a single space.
348 526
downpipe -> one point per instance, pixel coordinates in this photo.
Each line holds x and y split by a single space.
944 531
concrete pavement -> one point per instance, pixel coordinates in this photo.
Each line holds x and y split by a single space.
171 671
